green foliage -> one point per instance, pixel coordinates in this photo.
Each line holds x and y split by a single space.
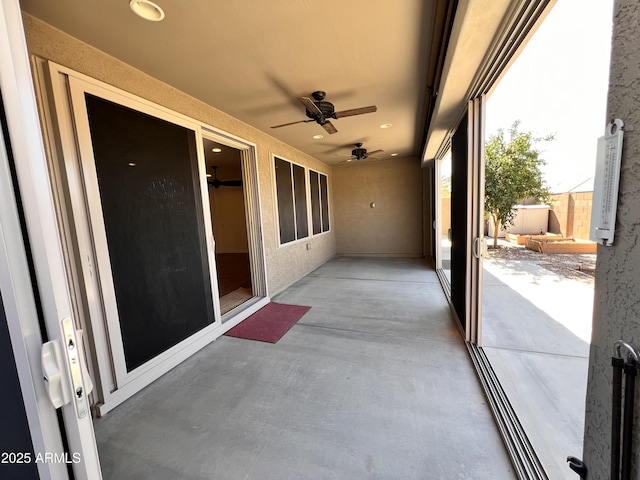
512 173
445 186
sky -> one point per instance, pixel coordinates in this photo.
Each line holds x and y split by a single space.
558 85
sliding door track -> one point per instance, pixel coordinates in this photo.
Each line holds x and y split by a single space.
523 456
444 282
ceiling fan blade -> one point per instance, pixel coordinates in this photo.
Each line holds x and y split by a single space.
292 123
355 111
309 105
348 160
215 183
231 183
374 152
328 126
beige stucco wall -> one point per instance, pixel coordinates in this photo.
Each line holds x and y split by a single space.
228 216
617 296
285 264
394 225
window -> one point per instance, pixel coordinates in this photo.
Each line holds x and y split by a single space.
291 190
319 202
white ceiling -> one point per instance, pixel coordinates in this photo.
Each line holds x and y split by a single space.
252 59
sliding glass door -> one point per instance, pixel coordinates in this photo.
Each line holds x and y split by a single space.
146 174
467 222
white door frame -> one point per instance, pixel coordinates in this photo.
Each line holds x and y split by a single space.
251 194
62 92
78 88
46 252
475 223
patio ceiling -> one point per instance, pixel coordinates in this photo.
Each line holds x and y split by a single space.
253 60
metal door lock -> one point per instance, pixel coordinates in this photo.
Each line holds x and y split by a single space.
64 386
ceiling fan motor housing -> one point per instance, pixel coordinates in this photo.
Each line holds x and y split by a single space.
359 153
326 108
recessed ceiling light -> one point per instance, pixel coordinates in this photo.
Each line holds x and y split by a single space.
216 150
394 154
385 125
318 137
147 10
132 164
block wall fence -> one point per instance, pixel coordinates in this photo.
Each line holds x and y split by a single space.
570 214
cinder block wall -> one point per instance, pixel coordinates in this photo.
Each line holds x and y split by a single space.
446 216
582 214
571 214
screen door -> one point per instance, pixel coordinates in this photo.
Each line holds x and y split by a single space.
144 193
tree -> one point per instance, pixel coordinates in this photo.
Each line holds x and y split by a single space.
445 186
512 173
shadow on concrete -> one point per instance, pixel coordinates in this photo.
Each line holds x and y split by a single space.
534 330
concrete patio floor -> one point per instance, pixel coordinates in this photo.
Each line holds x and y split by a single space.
374 382
536 330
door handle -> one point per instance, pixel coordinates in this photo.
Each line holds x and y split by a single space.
54 379
62 388
479 249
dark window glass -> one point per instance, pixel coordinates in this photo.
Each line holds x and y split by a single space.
319 202
291 189
300 190
284 186
324 199
316 215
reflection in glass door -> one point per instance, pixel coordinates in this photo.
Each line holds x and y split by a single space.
444 227
442 224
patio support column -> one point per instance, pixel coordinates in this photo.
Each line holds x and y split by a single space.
617 296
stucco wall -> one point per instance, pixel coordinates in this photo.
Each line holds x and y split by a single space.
394 226
285 264
228 217
617 292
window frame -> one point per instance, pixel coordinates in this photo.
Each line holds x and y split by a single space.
308 211
294 197
323 203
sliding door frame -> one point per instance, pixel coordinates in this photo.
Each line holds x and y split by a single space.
69 150
476 224
250 189
36 296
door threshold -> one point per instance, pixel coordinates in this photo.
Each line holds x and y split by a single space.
242 311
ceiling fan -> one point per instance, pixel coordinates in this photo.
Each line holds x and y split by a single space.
321 112
215 183
360 153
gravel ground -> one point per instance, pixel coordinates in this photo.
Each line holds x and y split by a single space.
580 267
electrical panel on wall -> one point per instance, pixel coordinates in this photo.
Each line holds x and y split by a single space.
605 189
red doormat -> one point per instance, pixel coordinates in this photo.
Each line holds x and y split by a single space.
269 323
